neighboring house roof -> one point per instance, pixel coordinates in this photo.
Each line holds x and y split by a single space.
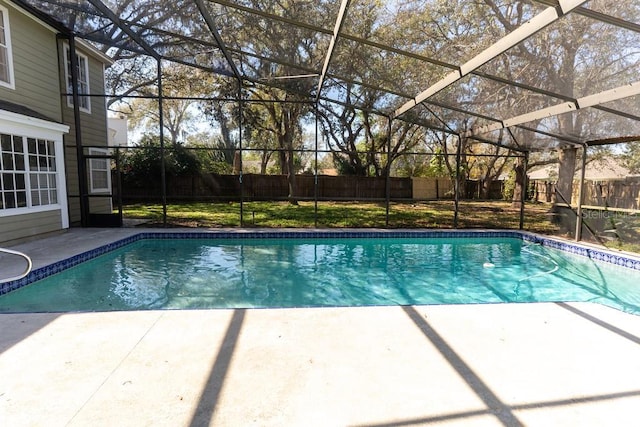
25 111
600 169
251 165
330 172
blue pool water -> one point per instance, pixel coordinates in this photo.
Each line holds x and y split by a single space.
306 272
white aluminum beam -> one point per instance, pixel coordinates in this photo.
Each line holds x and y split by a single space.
441 84
625 91
554 110
332 44
620 92
526 30
599 16
483 129
568 5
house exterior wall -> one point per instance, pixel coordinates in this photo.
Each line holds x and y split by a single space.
33 50
39 80
18 227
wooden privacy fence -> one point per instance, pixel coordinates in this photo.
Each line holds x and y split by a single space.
276 187
542 191
613 193
619 193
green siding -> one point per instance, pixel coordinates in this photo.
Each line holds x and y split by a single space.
39 78
94 124
27 225
100 205
34 50
74 211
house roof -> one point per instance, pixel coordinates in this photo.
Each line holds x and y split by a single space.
25 111
599 169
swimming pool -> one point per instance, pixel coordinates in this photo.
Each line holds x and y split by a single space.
231 270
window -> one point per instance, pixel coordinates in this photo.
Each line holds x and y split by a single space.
6 60
14 172
42 172
83 80
28 172
99 171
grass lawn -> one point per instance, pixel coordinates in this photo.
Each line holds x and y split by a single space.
437 214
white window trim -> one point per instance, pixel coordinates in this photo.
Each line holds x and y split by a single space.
67 77
29 127
92 188
11 84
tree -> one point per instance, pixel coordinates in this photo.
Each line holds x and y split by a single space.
291 47
488 162
143 164
284 125
573 57
437 166
343 130
211 153
564 59
631 157
223 114
520 179
181 87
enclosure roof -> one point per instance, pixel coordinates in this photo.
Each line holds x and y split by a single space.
523 74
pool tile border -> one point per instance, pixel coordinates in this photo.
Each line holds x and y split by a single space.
623 260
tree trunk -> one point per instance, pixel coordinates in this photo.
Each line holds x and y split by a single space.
291 178
289 166
282 159
520 183
564 187
485 190
264 162
225 132
237 163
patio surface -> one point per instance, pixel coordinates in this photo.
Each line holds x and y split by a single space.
545 364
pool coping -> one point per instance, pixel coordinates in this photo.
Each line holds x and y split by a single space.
622 259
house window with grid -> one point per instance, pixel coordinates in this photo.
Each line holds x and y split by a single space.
14 172
83 80
42 172
28 172
99 171
6 60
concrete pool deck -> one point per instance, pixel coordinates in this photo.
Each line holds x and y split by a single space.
541 364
